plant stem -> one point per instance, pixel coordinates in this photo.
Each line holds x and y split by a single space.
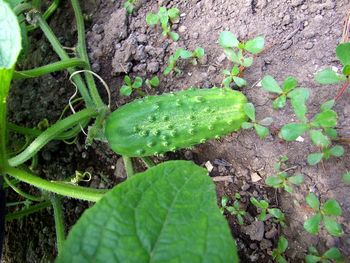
128 166
56 66
22 193
49 11
50 134
64 56
28 211
61 188
341 91
59 222
148 162
22 8
81 49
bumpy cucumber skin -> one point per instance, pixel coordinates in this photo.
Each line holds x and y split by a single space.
158 124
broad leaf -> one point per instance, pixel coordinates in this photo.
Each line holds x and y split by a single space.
183 53
333 253
280 102
282 244
312 225
314 158
249 109
266 121
332 226
312 259
270 84
343 53
166 214
247 125
337 151
289 84
319 139
273 181
239 81
199 52
296 179
328 76
137 83
255 46
125 90
152 19
312 201
328 105
174 36
326 119
331 207
247 62
298 98
173 13
228 40
262 131
291 131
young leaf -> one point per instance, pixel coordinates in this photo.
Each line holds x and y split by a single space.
255 46
270 84
154 82
266 121
125 90
228 40
346 177
274 181
346 70
312 259
152 19
199 52
328 105
312 224
239 81
280 102
173 13
343 53
262 131
331 207
289 84
183 53
247 125
249 109
332 226
291 131
296 179
312 201
174 36
333 253
277 213
127 80
119 227
137 83
298 98
326 119
282 244
319 139
328 76
337 151
314 158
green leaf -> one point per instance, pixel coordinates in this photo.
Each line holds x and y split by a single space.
255 202
247 125
125 90
346 177
234 71
224 201
154 82
282 244
239 81
296 179
275 212
346 70
298 98
247 62
337 151
312 224
289 84
274 181
174 36
331 207
326 119
266 121
328 105
332 226
281 259
137 83
226 72
332 133
255 46
333 253
270 84
280 102
127 80
249 109
261 131
173 13
319 139
343 53
312 250
167 70
328 76
10 35
312 259
152 19
228 40
199 52
312 201
227 81
314 158
166 214
183 53
291 131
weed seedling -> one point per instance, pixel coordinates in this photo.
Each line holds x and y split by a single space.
153 82
325 213
278 216
235 210
232 77
346 177
130 86
164 18
129 5
331 255
277 253
262 205
329 76
260 126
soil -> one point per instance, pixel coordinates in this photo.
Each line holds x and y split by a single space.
301 38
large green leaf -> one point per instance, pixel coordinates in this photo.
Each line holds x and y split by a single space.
343 53
292 131
328 76
166 214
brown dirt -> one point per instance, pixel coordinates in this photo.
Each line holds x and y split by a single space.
301 38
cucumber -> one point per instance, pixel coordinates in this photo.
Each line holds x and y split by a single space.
158 124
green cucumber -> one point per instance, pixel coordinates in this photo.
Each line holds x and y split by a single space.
158 124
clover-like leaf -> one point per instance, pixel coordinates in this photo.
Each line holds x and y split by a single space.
331 207
312 225
329 76
255 46
138 222
228 40
291 131
270 84
332 226
343 53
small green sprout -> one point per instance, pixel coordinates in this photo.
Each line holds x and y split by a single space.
331 255
281 161
262 205
183 54
163 17
277 253
232 76
235 50
260 126
129 5
288 90
325 213
278 216
153 82
129 86
235 210
346 177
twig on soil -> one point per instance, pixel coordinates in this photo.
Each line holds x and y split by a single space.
346 30
223 179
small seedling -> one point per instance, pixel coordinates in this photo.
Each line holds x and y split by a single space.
235 210
153 82
278 216
262 205
183 54
289 89
129 5
232 77
235 50
329 76
277 253
163 17
281 162
331 255
260 126
346 177
325 213
130 86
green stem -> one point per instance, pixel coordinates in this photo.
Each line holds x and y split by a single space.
128 166
49 11
59 223
22 193
148 162
64 56
36 4
56 66
22 8
81 49
61 188
50 134
28 211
